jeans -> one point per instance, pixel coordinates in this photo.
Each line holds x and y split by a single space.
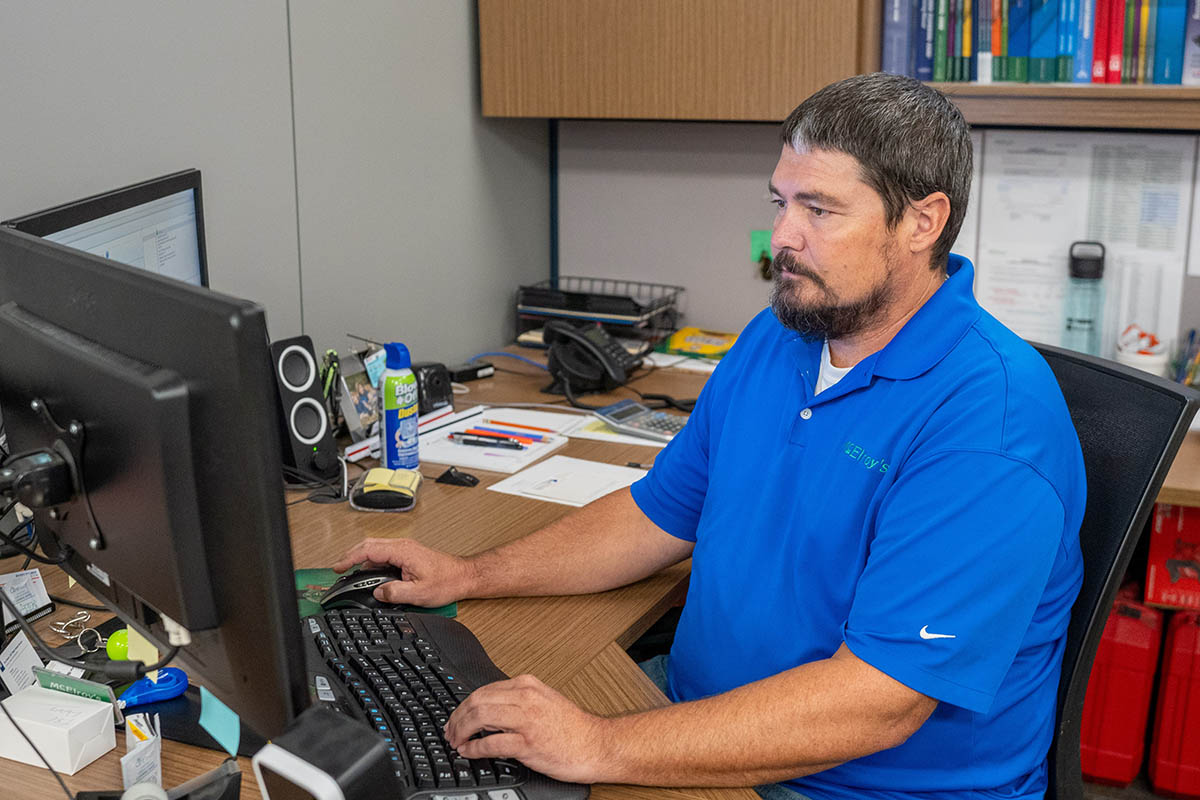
656 669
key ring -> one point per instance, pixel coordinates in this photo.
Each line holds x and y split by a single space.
99 642
73 627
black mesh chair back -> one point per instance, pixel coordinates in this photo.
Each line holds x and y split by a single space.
1130 425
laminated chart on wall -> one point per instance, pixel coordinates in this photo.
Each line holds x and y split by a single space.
1193 267
967 243
1041 191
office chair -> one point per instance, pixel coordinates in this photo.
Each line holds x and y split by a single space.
1130 425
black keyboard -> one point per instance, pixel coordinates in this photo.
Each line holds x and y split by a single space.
402 674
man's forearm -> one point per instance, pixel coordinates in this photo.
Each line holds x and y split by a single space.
606 544
801 721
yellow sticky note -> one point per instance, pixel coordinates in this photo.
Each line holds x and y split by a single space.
70 581
141 649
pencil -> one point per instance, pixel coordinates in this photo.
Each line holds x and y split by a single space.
515 425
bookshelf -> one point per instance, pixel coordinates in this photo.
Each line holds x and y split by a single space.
1066 105
748 61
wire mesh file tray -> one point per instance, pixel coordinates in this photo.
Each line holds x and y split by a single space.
631 308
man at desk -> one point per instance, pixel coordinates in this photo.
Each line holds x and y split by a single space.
880 489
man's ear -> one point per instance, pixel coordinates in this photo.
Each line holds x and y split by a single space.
927 219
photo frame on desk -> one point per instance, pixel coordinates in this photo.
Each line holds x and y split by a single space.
359 397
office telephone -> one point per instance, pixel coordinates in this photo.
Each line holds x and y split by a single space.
586 359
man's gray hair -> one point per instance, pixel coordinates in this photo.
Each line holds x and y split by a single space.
908 139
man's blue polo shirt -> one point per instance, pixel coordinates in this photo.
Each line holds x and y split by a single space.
924 511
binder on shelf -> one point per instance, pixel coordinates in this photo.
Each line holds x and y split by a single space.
1168 46
1116 40
1083 57
1018 40
1191 46
1043 41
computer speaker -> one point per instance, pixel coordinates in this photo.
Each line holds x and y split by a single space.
305 431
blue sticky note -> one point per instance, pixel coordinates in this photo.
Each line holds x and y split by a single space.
220 722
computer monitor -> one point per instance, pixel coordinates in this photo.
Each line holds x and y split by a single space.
160 395
156 225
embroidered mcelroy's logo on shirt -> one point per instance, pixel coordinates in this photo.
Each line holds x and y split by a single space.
860 455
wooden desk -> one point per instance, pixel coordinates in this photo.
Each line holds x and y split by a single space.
575 644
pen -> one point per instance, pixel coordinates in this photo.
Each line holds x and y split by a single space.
508 437
534 437
480 441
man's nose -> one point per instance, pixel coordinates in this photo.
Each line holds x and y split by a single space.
787 232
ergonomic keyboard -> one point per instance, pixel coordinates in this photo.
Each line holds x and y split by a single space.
402 674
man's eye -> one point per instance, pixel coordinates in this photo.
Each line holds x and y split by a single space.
817 212
777 202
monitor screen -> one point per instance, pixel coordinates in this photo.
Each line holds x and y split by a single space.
156 225
160 398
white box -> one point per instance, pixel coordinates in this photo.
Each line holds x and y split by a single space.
70 731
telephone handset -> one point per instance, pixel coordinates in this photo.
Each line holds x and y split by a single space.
586 359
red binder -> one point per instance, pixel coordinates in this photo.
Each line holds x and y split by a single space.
1117 704
1175 749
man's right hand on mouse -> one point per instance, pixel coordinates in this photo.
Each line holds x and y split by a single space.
431 578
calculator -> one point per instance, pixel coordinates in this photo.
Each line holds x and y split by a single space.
629 416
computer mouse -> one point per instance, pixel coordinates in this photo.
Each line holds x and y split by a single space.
356 589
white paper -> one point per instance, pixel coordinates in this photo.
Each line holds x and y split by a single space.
1193 266
65 669
142 762
569 481
1041 191
597 429
549 421
436 446
17 662
26 590
685 363
967 243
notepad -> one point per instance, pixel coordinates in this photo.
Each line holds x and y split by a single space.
438 448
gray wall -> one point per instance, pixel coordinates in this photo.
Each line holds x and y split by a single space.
417 218
98 95
674 202
669 203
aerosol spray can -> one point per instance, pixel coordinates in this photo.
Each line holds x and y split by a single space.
398 394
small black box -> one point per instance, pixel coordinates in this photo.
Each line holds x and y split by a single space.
473 371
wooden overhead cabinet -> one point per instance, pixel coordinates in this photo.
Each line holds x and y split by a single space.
751 60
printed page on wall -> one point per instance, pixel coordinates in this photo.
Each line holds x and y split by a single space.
1041 191
967 243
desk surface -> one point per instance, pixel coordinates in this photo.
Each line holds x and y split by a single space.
575 644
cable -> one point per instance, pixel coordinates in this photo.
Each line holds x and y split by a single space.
497 353
25 736
123 671
566 387
29 554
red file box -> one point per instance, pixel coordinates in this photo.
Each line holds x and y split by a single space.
1175 749
1117 704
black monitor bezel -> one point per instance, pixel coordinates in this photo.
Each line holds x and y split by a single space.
77 212
218 344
